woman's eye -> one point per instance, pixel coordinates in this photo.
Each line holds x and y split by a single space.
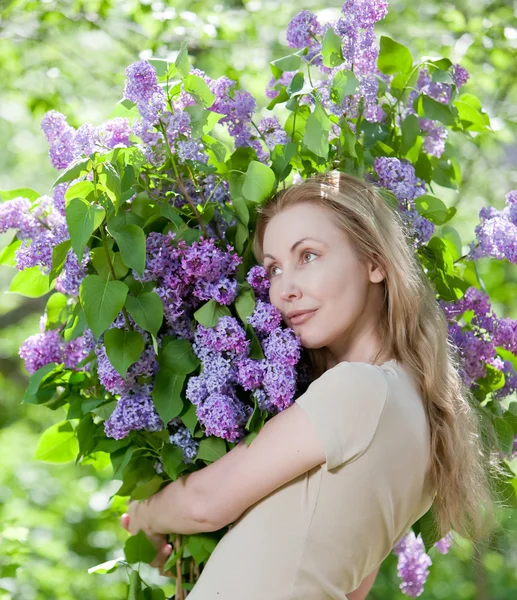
272 267
307 252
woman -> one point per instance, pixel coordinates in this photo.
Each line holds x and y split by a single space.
385 429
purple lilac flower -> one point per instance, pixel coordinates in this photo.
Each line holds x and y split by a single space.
227 336
224 416
134 411
192 150
365 13
61 139
273 132
460 75
250 373
284 80
265 317
477 343
302 28
183 439
413 564
115 133
282 346
40 349
196 390
280 384
70 279
48 346
443 546
259 282
435 137
497 231
399 177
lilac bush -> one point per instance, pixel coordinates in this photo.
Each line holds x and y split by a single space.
159 337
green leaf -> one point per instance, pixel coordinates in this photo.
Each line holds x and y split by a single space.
393 57
331 49
146 489
505 434
30 283
317 132
109 180
77 168
280 158
198 87
101 301
410 131
106 567
147 311
211 449
201 546
290 62
166 394
123 348
428 529
182 62
172 458
178 356
432 208
344 84
57 444
139 548
258 183
56 310
131 243
99 259
189 417
31 195
296 84
81 189
202 121
82 219
245 304
30 396
59 254
430 108
8 254
210 313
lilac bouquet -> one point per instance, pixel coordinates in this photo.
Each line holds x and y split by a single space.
158 336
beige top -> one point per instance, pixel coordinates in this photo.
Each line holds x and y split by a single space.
318 536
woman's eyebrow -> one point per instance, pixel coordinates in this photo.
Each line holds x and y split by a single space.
296 244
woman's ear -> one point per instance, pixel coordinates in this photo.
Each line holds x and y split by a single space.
376 274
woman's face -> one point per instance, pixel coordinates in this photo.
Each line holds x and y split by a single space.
312 267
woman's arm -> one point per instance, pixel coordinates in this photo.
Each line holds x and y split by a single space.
362 591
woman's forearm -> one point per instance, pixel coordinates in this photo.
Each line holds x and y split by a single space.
366 584
175 509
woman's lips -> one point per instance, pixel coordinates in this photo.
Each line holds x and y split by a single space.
298 319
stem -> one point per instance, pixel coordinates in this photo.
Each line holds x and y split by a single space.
112 270
179 579
179 181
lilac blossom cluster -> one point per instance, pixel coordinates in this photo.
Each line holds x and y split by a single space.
497 231
40 226
187 276
413 564
477 342
135 408
48 346
166 124
224 354
67 143
400 178
435 134
360 51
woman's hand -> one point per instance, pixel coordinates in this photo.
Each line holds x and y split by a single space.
136 519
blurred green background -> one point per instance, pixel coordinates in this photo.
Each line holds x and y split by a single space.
57 521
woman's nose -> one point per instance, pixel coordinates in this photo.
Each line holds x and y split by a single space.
290 290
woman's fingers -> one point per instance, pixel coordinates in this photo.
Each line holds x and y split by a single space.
160 543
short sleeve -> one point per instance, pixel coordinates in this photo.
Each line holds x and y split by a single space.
345 405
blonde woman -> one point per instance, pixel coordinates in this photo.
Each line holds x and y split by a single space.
385 429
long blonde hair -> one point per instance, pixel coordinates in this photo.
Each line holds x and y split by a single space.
414 331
